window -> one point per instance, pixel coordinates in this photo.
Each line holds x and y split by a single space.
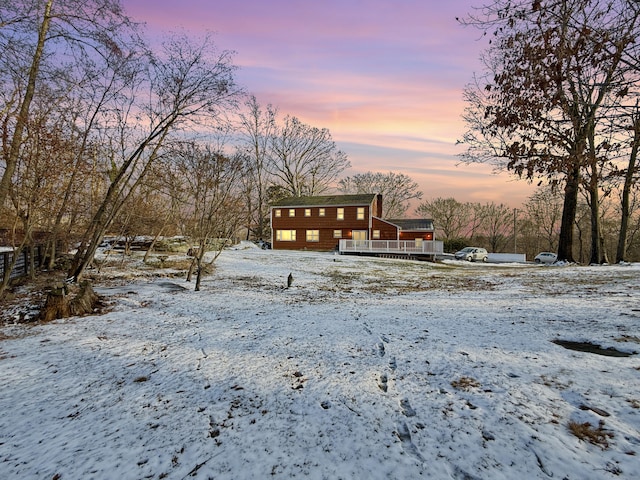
418 243
286 235
337 234
292 212
307 212
313 235
376 234
321 212
360 213
340 215
278 212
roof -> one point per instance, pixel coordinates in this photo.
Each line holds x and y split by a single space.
362 199
412 223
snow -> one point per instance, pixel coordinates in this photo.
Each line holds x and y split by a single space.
363 369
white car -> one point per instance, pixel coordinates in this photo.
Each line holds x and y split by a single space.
546 257
472 254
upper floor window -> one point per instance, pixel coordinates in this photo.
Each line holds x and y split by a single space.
360 215
321 212
292 212
307 212
278 212
340 214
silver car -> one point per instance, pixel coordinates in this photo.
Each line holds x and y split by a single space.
546 257
472 254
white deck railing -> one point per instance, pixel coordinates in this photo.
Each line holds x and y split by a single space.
403 247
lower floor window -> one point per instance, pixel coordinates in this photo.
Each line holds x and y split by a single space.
376 234
337 234
286 235
313 235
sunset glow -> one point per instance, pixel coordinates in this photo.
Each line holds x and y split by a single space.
385 79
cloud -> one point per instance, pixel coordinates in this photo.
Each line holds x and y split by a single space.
386 78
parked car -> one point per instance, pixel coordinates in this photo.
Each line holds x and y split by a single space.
472 254
546 257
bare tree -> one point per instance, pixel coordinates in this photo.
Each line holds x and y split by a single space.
189 85
257 128
497 221
397 190
544 211
215 208
449 216
304 159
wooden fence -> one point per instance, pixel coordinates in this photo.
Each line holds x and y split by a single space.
23 265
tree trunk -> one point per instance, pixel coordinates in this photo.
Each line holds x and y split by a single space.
153 243
621 251
198 274
565 242
190 271
596 227
59 305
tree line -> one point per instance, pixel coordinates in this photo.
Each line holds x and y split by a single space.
530 228
557 102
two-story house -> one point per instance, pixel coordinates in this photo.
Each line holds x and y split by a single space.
319 223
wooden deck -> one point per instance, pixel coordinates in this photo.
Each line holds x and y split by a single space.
392 248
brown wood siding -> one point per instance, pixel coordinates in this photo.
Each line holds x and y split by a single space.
408 235
387 231
325 225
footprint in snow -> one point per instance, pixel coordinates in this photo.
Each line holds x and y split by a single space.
402 431
382 382
392 363
381 350
406 407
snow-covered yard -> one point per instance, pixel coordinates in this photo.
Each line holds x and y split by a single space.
364 369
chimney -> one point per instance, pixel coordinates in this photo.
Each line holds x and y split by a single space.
379 205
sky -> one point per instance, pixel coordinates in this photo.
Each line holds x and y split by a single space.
386 78
363 369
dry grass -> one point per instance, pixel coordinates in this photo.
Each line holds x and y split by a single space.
587 432
634 403
628 338
554 382
465 383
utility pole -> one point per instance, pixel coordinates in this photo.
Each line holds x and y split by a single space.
515 230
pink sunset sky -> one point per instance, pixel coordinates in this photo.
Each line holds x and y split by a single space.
386 78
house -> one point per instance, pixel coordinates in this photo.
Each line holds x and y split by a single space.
321 222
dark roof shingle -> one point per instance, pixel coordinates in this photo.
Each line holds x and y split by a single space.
325 200
412 223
